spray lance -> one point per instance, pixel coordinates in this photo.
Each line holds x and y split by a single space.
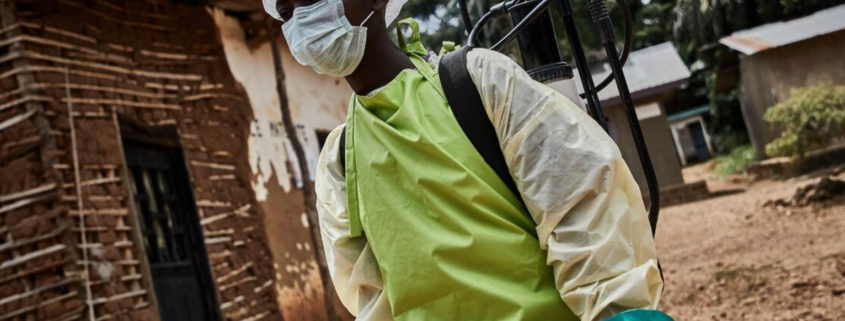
535 34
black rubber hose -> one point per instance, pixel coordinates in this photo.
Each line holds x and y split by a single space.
523 4
496 12
601 20
626 50
536 12
639 141
473 35
564 8
465 15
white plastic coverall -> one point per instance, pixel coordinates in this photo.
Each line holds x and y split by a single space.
588 207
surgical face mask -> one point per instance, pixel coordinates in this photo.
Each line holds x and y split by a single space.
320 36
394 7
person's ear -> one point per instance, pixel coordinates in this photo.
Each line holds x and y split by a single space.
379 5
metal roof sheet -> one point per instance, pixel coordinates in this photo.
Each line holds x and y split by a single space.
646 69
773 35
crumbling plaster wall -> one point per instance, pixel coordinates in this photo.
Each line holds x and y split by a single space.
317 103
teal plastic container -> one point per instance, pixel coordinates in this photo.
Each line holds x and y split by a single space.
641 315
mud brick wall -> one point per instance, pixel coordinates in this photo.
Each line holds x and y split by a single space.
154 63
39 279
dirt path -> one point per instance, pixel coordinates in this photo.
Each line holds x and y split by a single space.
729 258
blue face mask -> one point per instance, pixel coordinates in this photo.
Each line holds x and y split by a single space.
320 36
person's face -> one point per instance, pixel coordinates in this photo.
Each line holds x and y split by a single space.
354 10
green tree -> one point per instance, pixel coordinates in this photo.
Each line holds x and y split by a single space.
811 119
803 7
695 26
726 124
691 24
441 21
655 24
702 22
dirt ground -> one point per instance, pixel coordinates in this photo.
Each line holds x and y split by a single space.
731 258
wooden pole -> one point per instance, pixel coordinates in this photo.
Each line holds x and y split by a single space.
79 203
307 188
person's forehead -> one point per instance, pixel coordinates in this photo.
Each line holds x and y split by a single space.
275 7
293 3
297 3
284 2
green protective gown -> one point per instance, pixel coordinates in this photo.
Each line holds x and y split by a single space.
451 240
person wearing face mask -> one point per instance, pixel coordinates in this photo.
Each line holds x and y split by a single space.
417 226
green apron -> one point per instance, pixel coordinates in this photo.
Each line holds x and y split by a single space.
451 240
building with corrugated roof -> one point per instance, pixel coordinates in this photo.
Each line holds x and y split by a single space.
767 62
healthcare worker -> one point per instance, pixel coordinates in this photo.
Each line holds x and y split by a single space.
417 226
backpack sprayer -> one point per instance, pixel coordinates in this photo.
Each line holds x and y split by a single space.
534 31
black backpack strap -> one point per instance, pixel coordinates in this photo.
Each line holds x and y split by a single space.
342 150
468 109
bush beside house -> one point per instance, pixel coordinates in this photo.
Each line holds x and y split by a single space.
812 118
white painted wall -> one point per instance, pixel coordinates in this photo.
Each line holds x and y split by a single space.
316 102
647 111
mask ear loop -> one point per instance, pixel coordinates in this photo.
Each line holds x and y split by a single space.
367 19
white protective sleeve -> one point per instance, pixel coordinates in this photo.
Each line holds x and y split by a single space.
587 205
352 265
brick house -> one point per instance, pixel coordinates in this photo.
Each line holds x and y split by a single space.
145 173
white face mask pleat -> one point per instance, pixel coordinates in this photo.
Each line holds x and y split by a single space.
322 38
390 13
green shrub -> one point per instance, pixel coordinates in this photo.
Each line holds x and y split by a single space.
811 118
737 162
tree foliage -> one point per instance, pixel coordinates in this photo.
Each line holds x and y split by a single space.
726 124
811 118
694 26
689 23
441 21
654 25
701 22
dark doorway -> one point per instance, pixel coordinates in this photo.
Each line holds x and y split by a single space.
702 152
322 136
164 204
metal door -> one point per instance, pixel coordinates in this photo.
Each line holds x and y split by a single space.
170 228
